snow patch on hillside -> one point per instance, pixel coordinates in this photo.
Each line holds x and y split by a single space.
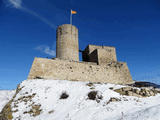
5 96
45 96
149 113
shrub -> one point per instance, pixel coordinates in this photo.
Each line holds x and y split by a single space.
64 95
90 84
92 95
95 95
111 88
38 77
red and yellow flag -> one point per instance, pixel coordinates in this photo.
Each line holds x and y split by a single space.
73 12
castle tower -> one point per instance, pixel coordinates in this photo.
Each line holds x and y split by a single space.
67 42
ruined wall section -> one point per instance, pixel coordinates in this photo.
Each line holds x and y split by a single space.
115 72
67 47
99 54
106 56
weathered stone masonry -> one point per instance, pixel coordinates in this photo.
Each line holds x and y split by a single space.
80 71
67 43
99 62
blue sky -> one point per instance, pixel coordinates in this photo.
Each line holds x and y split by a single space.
28 30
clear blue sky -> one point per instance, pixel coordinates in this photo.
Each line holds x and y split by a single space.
28 30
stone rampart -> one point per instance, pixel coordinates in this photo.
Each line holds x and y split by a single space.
116 72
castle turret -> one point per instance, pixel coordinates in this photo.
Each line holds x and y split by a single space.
67 42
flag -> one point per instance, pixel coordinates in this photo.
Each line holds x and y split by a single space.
73 12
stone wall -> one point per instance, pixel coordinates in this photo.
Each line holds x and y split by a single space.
99 54
108 48
116 72
104 56
93 57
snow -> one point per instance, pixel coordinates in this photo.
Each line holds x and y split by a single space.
77 106
150 113
5 96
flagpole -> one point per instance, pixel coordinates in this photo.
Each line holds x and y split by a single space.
71 17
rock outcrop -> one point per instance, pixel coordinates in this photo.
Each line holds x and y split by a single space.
138 92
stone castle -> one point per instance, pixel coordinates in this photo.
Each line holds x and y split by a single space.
99 63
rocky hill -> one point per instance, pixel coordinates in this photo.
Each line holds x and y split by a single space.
5 96
70 100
